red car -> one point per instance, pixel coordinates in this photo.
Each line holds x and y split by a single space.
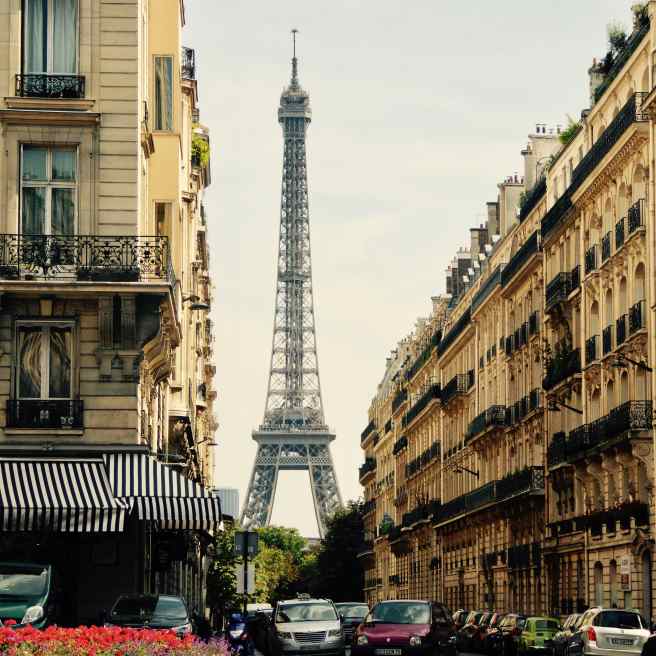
403 628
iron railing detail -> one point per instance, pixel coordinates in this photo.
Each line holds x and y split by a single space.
529 479
399 399
486 289
605 247
535 399
607 339
454 332
433 392
636 317
459 384
38 413
635 215
591 259
188 63
565 364
591 349
534 323
399 445
619 234
367 467
85 257
558 289
495 415
45 85
529 248
369 429
620 329
532 198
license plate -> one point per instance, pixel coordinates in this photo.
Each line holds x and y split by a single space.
624 642
387 652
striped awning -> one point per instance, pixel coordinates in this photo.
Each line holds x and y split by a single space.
160 493
62 495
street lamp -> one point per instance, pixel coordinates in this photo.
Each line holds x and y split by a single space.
554 407
195 304
460 469
621 360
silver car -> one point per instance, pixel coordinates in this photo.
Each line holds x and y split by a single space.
307 626
609 632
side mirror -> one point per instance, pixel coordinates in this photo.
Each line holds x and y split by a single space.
341 617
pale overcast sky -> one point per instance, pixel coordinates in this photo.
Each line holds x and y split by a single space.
419 109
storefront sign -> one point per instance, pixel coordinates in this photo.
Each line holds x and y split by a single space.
625 573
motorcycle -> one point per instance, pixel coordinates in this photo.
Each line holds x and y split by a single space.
240 642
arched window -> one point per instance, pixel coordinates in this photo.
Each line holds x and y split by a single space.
608 216
623 301
639 283
610 395
608 308
641 384
599 584
594 318
638 185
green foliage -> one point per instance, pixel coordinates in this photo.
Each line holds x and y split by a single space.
569 132
339 575
221 582
200 150
616 36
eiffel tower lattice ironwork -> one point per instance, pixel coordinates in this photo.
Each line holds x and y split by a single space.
293 434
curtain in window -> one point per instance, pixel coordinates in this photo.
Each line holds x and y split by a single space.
64 46
29 361
34 210
63 212
60 363
163 93
35 39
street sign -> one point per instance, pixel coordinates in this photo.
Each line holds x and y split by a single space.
239 573
246 542
625 573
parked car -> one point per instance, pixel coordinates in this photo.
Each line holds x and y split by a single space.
466 636
312 626
504 641
459 618
397 628
29 594
259 626
489 633
609 630
352 614
562 638
151 611
537 635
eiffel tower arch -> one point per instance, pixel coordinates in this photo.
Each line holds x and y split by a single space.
293 434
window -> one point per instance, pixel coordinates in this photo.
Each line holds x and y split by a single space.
50 29
164 93
44 361
48 190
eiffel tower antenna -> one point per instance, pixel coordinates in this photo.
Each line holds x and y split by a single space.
293 433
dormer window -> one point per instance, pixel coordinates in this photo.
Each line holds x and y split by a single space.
50 36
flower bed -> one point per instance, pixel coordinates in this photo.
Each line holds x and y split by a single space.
103 641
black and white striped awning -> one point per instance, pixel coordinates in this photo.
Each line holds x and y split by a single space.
72 495
161 494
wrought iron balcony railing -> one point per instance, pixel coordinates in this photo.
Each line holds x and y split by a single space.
399 445
558 289
607 339
563 365
620 329
637 317
37 413
367 467
495 415
605 247
486 289
601 433
459 384
454 332
85 257
369 429
619 234
636 215
468 502
534 323
529 248
591 259
535 399
591 349
399 399
433 392
188 63
45 85
530 479
532 198
575 278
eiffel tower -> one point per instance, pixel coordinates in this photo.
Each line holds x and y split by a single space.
293 434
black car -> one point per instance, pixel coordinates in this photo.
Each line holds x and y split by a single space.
352 614
562 638
146 611
504 641
259 625
459 618
466 636
489 633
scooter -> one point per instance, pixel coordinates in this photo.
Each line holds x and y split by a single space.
240 642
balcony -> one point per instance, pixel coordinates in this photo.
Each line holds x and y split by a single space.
619 234
620 329
517 262
454 332
601 433
368 507
85 258
39 414
421 359
486 289
433 392
528 480
532 198
607 339
367 468
636 216
575 278
509 344
605 247
458 385
399 445
591 259
559 288
465 503
534 399
534 323
423 460
592 349
399 399
370 428
188 64
421 513
637 317
44 85
388 426
566 363
495 415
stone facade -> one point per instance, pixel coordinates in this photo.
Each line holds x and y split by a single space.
105 336
518 471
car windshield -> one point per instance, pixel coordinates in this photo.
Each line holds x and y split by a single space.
402 613
23 580
549 625
353 610
151 607
319 612
170 608
618 619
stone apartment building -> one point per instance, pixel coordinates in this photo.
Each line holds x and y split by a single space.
517 472
106 396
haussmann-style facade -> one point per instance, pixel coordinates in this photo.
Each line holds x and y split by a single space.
508 458
106 418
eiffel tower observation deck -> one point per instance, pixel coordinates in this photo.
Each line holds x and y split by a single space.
293 434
